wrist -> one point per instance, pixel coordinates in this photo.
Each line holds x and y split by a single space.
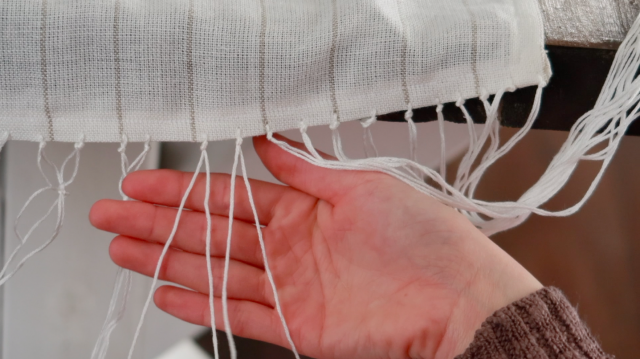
497 281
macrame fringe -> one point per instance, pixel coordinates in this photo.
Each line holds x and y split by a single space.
616 108
60 186
122 286
267 268
239 158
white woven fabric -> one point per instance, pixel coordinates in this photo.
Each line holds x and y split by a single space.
186 70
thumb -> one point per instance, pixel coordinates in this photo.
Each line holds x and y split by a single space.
327 184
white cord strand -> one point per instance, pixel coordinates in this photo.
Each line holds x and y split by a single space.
227 256
207 213
413 134
490 127
163 254
616 108
122 285
443 154
370 149
337 141
58 205
265 259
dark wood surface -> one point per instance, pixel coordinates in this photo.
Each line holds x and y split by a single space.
594 255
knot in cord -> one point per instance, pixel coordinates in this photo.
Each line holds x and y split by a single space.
269 132
484 94
123 144
366 122
334 122
62 190
542 82
80 144
408 115
238 137
147 143
303 127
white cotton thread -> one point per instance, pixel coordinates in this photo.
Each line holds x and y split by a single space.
617 107
135 165
263 248
123 282
307 140
413 134
472 140
60 187
163 254
207 213
337 141
480 170
370 149
488 132
227 256
443 147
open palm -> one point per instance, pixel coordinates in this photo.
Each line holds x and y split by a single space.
365 266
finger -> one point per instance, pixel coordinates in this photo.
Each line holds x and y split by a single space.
247 319
154 224
324 183
190 270
167 187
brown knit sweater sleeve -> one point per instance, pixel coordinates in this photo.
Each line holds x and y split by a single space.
542 325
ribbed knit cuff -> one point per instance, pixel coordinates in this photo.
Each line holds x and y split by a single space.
541 325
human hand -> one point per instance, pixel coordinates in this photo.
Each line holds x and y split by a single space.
365 266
